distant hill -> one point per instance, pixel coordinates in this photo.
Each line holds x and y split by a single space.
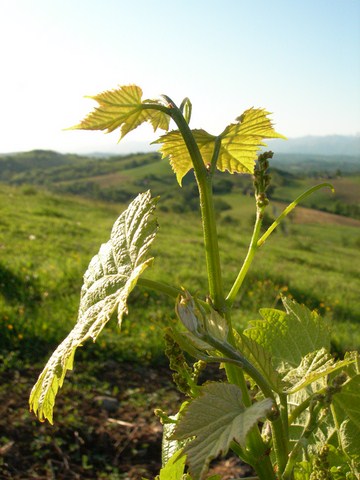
310 144
315 164
118 178
326 145
12 164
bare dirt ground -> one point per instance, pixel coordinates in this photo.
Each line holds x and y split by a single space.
104 426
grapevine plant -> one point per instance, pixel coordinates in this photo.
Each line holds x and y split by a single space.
288 408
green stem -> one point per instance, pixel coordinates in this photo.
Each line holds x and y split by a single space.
172 292
215 156
248 259
278 426
235 374
284 414
204 181
240 452
289 208
203 176
304 405
280 429
232 354
280 442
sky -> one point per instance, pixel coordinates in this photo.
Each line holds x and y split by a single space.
298 59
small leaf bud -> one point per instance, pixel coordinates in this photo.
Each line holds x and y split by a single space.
164 419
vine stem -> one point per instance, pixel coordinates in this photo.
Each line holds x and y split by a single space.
289 208
257 242
256 447
204 181
260 461
248 259
169 290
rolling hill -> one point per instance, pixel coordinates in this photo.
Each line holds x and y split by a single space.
119 178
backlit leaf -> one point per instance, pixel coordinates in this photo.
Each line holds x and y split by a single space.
289 336
240 143
174 468
124 108
343 422
313 366
174 148
346 410
169 446
216 418
108 281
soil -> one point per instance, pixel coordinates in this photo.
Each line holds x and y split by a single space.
104 426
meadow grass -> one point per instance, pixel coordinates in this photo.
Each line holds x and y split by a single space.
317 264
47 241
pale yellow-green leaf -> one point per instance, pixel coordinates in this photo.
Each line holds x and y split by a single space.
124 108
108 281
174 468
346 411
313 366
174 148
289 336
240 143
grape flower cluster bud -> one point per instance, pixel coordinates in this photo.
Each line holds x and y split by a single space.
262 179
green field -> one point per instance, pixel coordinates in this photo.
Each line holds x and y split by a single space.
47 240
56 210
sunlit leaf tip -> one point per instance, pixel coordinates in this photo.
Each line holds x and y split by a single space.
124 108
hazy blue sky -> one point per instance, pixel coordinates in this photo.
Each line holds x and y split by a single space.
300 59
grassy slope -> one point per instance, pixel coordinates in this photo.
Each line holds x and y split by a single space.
316 263
47 241
346 193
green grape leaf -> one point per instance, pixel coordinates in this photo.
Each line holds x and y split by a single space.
260 358
111 276
302 470
289 336
174 148
240 143
124 108
313 366
216 418
338 422
346 412
174 468
169 446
